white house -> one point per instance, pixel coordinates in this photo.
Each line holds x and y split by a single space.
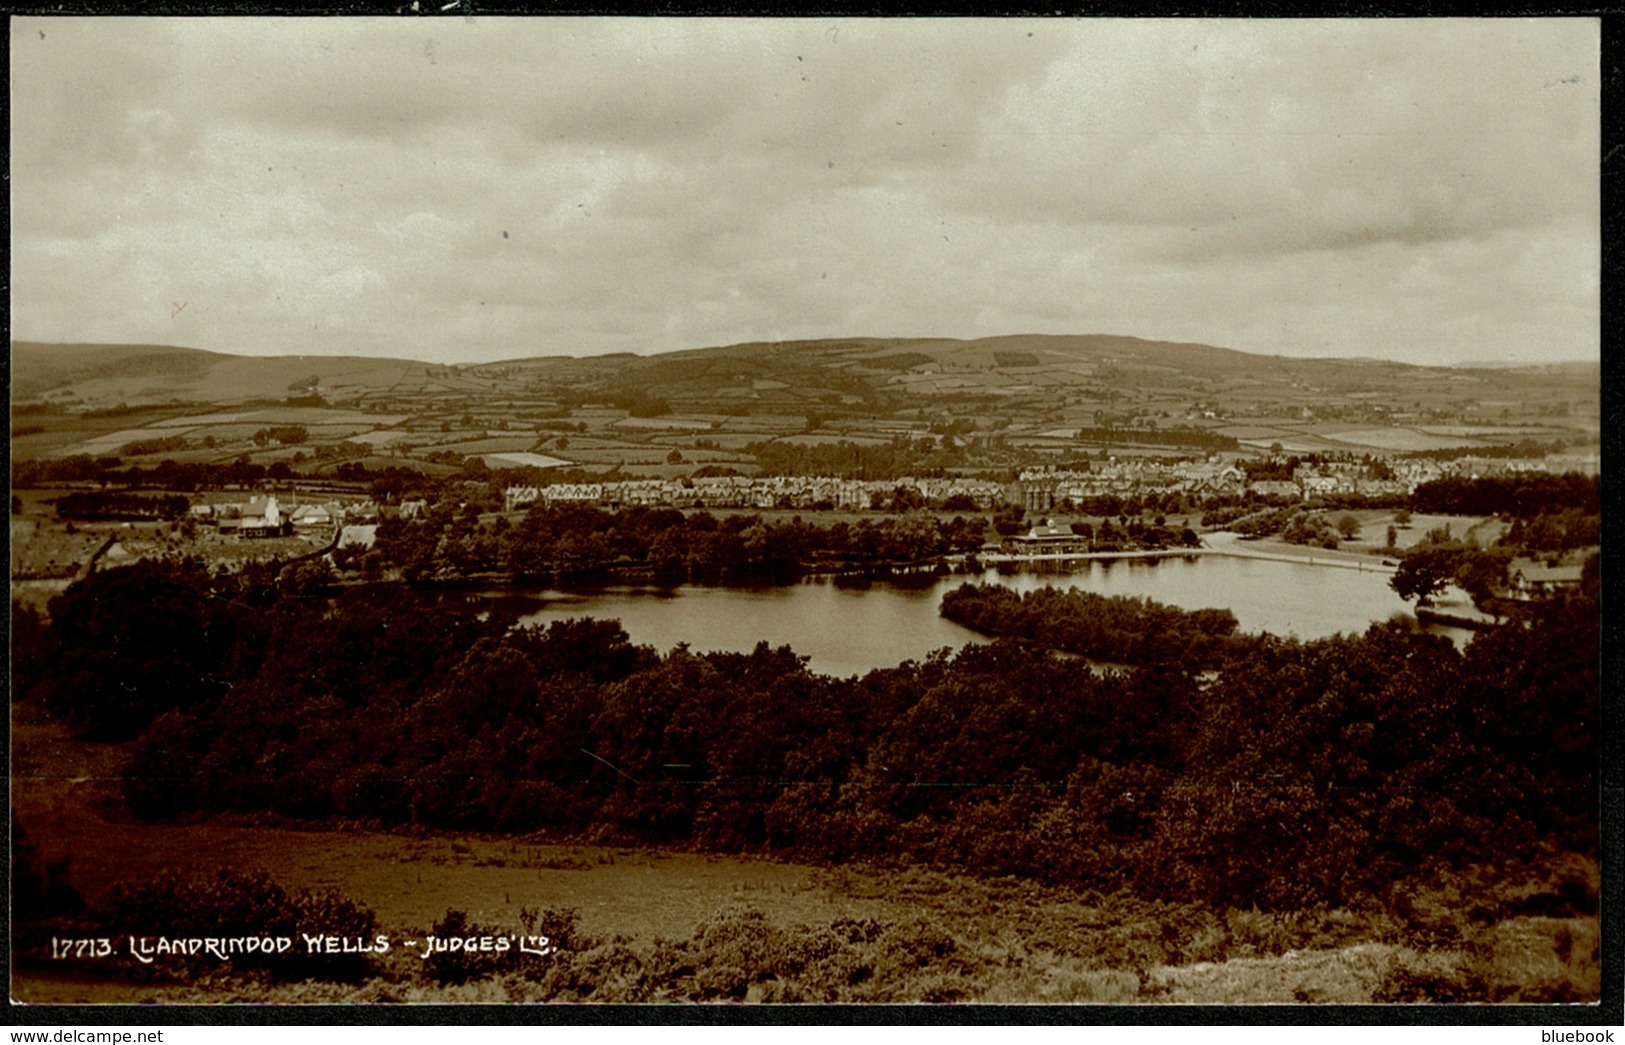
261 518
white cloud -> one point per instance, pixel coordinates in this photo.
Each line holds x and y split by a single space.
461 187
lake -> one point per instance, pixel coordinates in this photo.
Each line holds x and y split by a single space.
850 628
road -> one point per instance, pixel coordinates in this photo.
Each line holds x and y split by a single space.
1223 543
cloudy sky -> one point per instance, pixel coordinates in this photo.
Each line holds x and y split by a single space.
479 188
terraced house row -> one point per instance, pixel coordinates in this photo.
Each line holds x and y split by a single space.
1042 489
1039 489
737 491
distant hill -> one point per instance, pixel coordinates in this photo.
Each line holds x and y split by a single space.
880 370
143 374
1003 353
1570 366
1049 381
37 367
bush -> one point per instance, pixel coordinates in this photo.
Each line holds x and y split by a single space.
1549 961
1428 977
742 956
233 905
725 958
39 888
327 913
460 965
41 898
562 929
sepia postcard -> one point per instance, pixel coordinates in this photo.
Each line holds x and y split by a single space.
806 511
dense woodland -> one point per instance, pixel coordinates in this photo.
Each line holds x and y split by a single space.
187 477
574 539
1230 770
1520 496
901 457
1106 627
105 504
569 540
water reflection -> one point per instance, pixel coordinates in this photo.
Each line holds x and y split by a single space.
852 624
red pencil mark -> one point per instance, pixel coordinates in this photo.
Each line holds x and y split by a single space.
179 305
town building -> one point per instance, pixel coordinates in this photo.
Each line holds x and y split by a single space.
261 518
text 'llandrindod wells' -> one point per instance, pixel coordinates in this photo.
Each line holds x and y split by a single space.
150 949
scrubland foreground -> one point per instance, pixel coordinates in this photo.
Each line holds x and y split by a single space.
1371 818
910 935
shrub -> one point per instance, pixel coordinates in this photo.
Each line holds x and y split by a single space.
1551 961
228 904
1428 977
736 951
561 926
234 905
460 965
610 972
41 897
39 888
327 913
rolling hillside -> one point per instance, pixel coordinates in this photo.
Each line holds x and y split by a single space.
103 375
1037 388
37 368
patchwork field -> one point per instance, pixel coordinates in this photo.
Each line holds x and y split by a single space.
1011 402
1397 439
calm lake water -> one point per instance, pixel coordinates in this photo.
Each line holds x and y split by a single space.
848 628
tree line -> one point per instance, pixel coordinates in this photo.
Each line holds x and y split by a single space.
1121 628
565 540
1199 438
88 504
1547 516
191 476
1521 495
924 457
